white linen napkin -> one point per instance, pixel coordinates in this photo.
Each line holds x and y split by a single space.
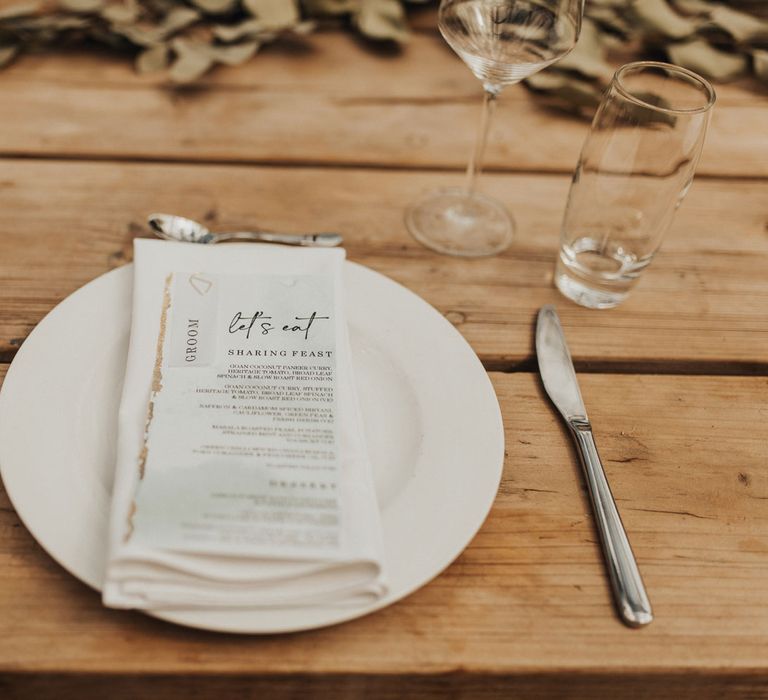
242 476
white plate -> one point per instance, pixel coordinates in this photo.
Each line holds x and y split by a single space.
431 418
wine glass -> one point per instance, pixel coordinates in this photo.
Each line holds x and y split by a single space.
502 42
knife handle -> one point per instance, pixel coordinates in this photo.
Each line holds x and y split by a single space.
628 589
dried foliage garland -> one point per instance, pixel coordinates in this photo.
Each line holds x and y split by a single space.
187 38
722 40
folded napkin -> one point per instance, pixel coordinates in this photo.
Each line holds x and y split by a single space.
242 477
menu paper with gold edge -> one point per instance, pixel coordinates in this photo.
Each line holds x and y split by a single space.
242 476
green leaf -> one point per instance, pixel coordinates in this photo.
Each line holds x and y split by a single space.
382 19
21 9
82 5
153 59
697 55
274 14
8 53
659 18
215 7
192 61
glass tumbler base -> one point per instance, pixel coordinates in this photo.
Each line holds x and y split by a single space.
456 222
580 292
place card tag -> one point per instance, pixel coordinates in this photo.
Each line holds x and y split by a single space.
241 454
193 329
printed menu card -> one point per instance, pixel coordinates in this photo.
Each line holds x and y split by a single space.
242 477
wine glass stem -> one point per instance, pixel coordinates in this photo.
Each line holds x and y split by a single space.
475 166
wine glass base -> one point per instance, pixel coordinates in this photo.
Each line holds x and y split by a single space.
456 222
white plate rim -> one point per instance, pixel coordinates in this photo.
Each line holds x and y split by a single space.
371 283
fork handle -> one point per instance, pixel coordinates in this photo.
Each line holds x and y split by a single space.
629 594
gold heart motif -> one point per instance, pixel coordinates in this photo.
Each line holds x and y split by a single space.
201 285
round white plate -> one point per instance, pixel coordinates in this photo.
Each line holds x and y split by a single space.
432 423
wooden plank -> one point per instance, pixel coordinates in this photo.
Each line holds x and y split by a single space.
701 306
526 606
457 686
328 98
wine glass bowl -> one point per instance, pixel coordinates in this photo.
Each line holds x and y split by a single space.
502 42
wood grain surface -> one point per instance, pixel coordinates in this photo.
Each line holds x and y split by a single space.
525 605
700 307
327 132
323 99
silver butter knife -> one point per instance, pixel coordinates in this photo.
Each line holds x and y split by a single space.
559 379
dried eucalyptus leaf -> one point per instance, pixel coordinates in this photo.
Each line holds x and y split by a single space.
82 5
330 8
160 7
588 56
611 19
62 23
760 62
699 56
106 36
652 98
178 18
740 25
215 7
120 14
274 14
382 19
648 116
138 35
701 7
48 26
8 53
565 91
304 27
153 59
658 17
192 61
21 9
235 54
229 33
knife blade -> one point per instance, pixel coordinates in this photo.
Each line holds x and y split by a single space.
560 383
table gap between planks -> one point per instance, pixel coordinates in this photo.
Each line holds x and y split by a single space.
328 132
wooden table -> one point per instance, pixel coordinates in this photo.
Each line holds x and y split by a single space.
327 133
